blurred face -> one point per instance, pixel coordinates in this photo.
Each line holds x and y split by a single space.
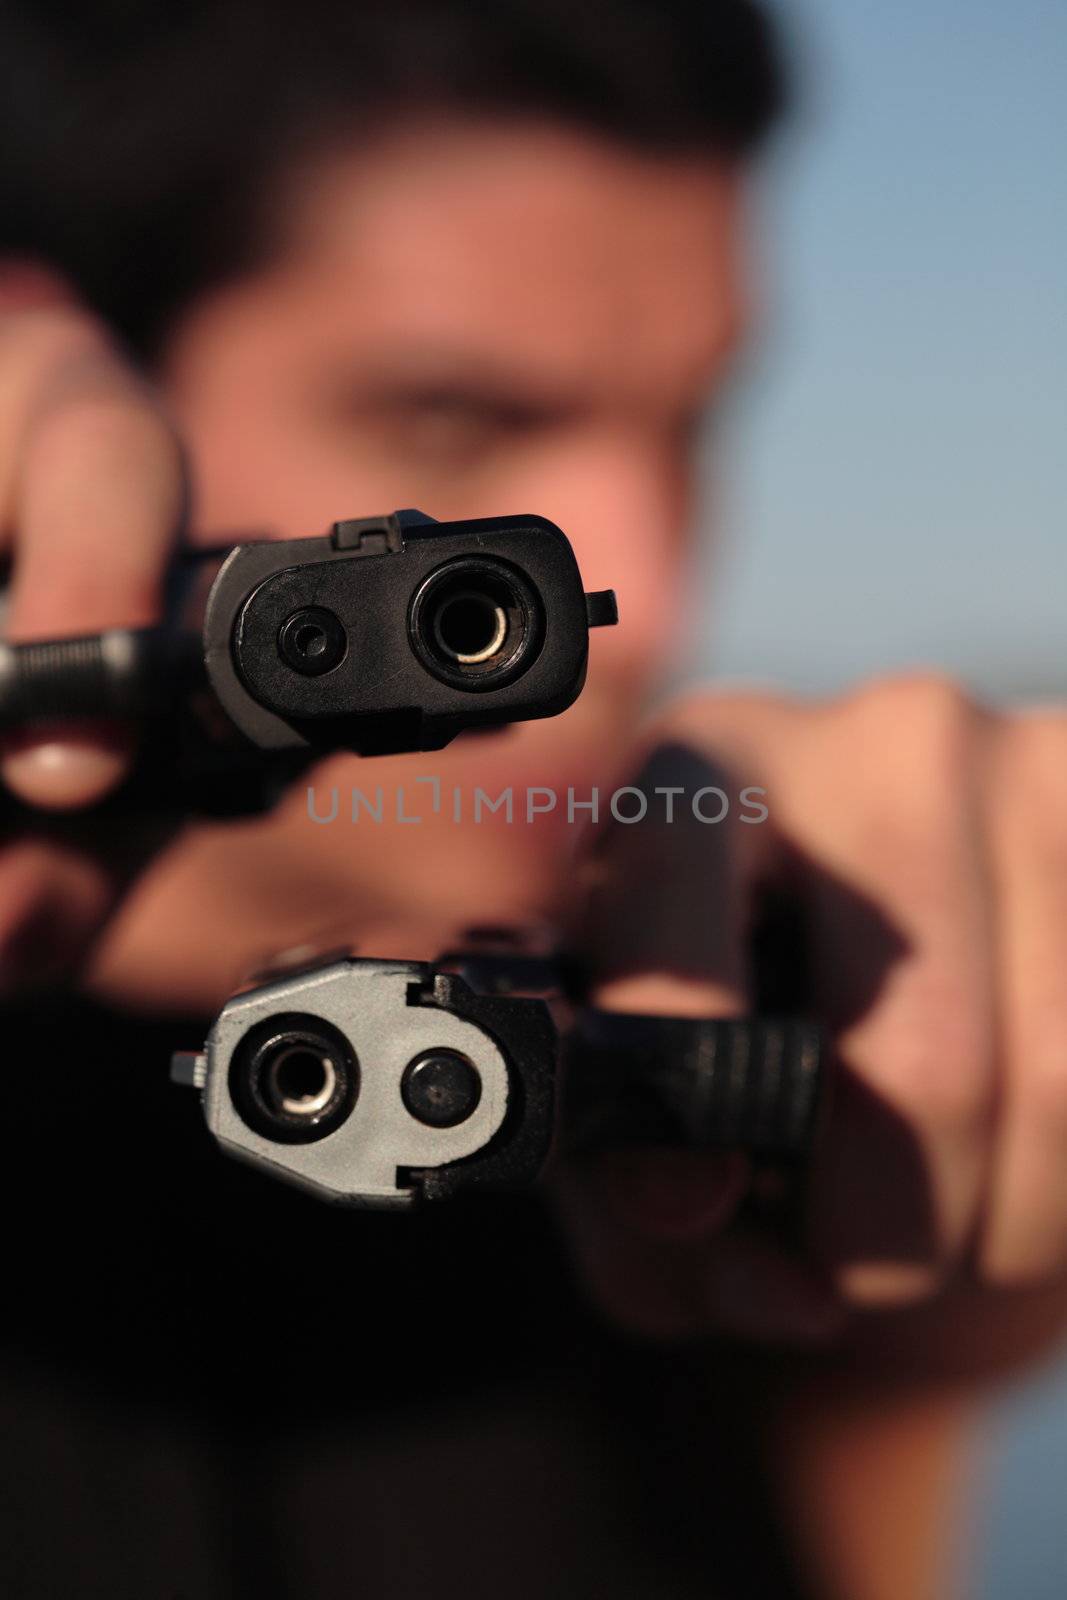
479 319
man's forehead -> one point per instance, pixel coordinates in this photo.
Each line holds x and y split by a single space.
561 249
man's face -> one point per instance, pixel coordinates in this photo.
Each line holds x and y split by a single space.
480 320
477 320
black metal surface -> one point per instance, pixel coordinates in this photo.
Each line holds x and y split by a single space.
392 691
441 1088
279 651
500 586
312 641
526 1035
750 1083
601 608
758 1083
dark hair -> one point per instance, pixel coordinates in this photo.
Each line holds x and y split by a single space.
136 139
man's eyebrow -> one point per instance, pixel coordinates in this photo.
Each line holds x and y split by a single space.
441 372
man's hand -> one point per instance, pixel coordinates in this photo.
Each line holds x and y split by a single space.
92 494
925 840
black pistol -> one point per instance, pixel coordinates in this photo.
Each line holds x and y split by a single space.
387 634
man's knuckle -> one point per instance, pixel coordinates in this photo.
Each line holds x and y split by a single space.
39 347
919 732
719 721
927 708
1033 766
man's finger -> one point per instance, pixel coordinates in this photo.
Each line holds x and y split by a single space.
663 932
52 903
901 954
887 858
663 925
95 507
1026 1225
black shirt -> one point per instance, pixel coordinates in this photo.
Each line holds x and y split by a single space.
213 1385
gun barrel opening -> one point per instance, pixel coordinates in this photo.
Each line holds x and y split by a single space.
470 627
475 623
294 1079
300 1081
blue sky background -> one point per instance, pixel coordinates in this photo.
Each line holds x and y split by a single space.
894 475
896 470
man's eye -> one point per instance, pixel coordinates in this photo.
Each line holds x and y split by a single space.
458 428
445 424
445 427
